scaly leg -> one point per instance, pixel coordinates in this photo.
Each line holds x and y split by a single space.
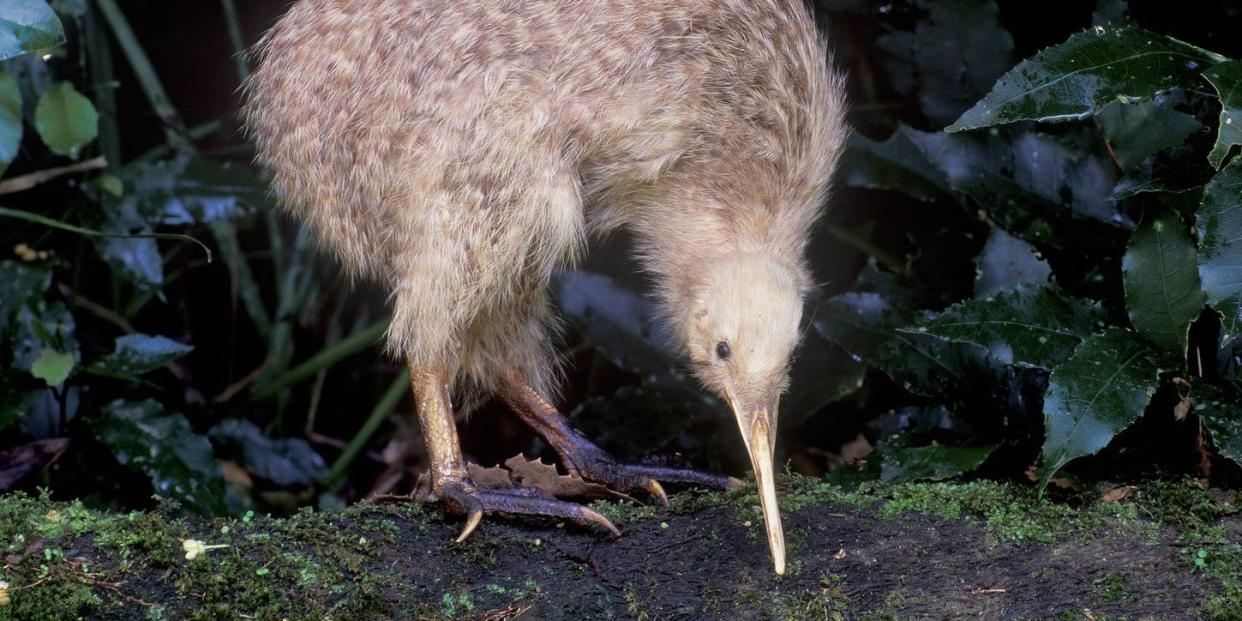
586 459
452 488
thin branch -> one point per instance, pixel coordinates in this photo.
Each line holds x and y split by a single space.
30 180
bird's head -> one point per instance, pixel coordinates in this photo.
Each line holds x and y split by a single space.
740 333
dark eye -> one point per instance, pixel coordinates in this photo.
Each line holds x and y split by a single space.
722 350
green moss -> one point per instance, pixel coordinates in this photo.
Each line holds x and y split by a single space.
825 603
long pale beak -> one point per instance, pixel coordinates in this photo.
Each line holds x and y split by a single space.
759 432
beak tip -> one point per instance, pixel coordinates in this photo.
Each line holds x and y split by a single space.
780 567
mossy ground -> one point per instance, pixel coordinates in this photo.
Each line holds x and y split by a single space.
1170 550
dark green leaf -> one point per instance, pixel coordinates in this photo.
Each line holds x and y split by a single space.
66 120
960 49
1227 78
1029 327
19 285
1095 395
1026 183
895 164
1219 405
620 323
1135 131
931 463
191 190
28 26
42 325
1077 78
1220 255
1007 262
285 462
637 421
10 119
162 446
865 325
53 367
1163 294
822 374
137 259
136 354
1180 169
14 403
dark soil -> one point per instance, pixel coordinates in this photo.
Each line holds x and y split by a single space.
868 555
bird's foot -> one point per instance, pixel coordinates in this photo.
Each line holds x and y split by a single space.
597 466
463 497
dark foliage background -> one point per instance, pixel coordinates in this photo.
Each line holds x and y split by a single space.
1046 292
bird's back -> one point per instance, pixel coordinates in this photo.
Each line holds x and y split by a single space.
366 110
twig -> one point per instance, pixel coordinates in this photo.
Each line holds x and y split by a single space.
24 182
57 224
96 309
236 387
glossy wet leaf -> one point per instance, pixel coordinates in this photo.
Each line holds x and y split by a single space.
137 260
1219 404
1135 131
1006 262
285 462
41 325
894 164
1220 252
1079 77
1180 169
1161 276
135 354
163 446
1096 394
1024 326
10 119
960 49
1227 79
866 325
1024 183
28 26
191 190
53 367
931 463
66 120
822 373
620 323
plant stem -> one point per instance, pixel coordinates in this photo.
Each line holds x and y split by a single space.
329 356
235 37
174 128
335 476
57 224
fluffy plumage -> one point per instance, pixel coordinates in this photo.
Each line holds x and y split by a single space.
460 150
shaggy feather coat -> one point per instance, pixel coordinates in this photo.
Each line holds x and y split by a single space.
460 150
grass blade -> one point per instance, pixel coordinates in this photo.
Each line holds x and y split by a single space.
335 476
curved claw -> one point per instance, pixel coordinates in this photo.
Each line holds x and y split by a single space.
657 491
472 522
599 520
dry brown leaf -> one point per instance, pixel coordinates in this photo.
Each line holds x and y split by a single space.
1118 494
856 449
490 478
235 474
534 473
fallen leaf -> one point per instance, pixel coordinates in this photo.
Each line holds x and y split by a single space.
235 474
17 462
1118 494
534 473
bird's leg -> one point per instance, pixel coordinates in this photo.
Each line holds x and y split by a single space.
586 459
451 486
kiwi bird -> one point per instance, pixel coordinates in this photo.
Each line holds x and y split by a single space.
458 151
